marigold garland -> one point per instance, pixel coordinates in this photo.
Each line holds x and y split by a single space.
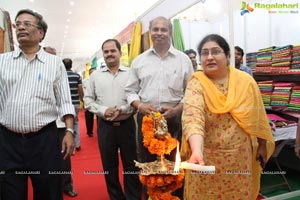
153 144
159 186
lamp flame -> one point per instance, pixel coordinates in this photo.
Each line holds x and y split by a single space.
177 160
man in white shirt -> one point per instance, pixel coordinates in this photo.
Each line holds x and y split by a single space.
105 96
157 81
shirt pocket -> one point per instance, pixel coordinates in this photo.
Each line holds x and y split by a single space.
43 90
175 85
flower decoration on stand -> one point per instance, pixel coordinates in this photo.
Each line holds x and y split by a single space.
156 137
161 177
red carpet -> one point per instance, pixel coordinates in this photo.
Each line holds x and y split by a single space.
84 163
88 175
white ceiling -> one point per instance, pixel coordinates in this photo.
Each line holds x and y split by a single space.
77 28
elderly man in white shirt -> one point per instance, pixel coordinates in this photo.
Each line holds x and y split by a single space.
157 81
158 78
33 85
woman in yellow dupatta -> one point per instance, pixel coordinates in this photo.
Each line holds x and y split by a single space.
225 125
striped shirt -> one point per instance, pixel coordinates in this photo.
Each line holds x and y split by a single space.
31 90
74 81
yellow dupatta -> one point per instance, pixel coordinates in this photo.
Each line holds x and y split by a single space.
245 105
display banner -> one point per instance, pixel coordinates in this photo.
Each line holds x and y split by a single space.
125 57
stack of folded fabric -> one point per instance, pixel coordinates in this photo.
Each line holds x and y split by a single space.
281 95
295 57
281 58
264 60
266 89
251 60
281 122
294 103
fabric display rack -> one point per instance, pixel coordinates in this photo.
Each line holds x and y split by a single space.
277 71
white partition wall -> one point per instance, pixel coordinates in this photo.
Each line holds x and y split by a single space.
252 31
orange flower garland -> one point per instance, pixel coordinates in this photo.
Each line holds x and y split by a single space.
153 144
159 186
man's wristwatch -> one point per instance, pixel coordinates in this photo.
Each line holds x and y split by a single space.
71 131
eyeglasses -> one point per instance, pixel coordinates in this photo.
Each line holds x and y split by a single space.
26 24
215 52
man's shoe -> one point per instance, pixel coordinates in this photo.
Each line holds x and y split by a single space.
71 193
90 135
78 148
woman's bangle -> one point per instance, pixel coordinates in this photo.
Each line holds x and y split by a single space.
297 145
139 106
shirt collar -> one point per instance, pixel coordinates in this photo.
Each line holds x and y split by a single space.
104 69
171 50
40 55
17 52
121 68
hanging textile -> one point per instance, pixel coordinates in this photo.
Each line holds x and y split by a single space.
6 37
86 71
135 46
125 55
177 36
94 63
150 40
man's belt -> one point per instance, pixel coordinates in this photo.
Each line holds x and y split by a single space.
27 135
116 123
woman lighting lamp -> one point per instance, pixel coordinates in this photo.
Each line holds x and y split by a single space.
225 125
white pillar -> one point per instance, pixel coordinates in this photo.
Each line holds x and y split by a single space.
231 30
